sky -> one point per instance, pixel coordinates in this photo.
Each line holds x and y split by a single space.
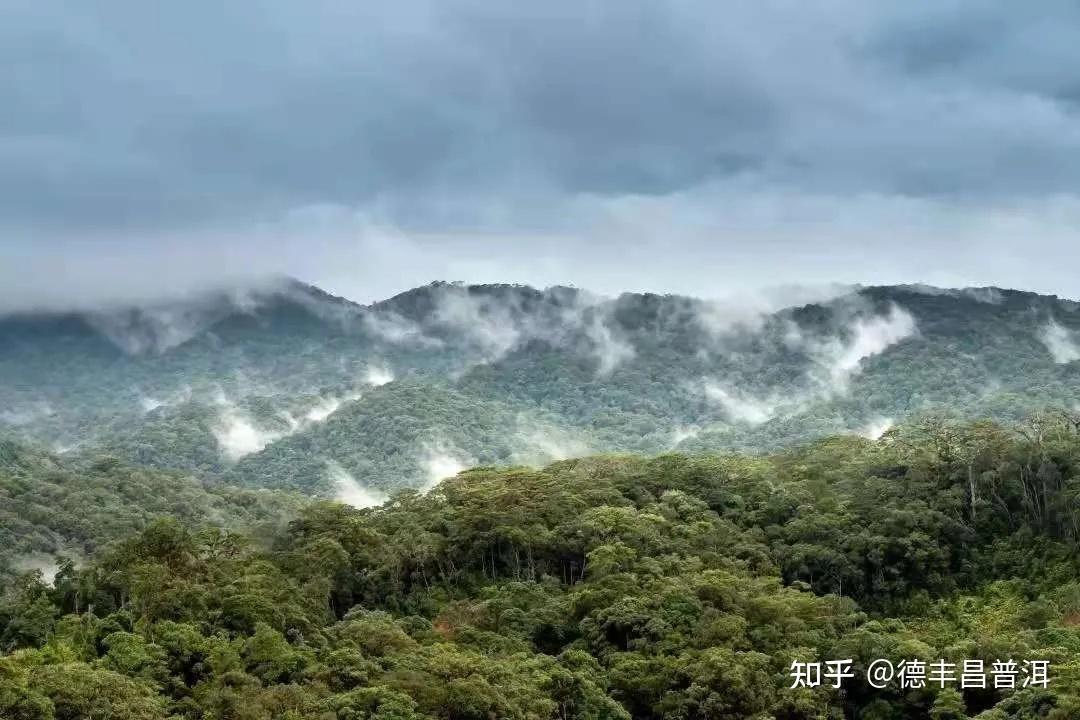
699 147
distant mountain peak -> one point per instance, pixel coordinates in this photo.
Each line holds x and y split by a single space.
158 325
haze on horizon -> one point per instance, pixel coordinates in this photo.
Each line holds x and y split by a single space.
698 148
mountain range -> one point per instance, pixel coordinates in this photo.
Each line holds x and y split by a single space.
285 386
746 486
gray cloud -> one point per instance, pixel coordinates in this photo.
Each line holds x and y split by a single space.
369 147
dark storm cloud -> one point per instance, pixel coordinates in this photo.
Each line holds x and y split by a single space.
117 111
129 109
128 125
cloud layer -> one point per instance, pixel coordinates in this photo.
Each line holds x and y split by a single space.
695 146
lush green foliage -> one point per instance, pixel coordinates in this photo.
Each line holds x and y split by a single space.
497 374
610 587
386 438
50 509
607 587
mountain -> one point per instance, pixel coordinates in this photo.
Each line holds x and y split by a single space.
159 567
284 385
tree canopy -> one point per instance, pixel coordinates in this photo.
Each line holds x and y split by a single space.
604 587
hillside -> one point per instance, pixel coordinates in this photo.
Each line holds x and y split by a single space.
286 386
51 510
605 588
890 472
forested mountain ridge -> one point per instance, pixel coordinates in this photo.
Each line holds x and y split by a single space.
157 568
285 385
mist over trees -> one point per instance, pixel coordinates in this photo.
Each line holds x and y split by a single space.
267 387
551 505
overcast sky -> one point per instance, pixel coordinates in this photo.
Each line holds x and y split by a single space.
694 147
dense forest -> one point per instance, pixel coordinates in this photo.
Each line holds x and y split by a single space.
273 386
612 586
481 502
50 509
